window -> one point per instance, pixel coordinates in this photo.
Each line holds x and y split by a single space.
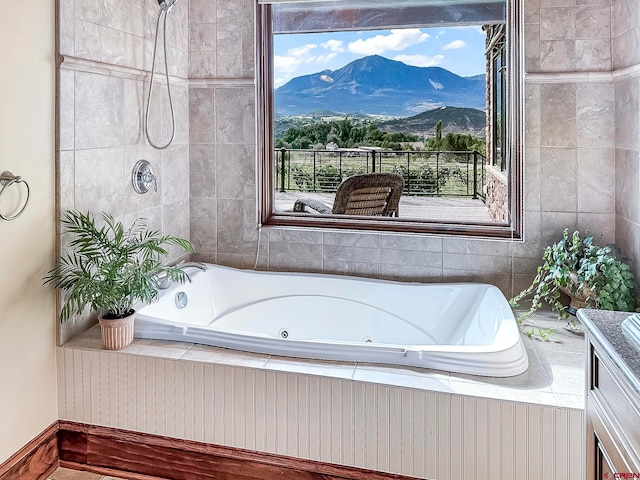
497 85
321 127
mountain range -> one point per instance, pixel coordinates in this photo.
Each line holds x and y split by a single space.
454 119
377 85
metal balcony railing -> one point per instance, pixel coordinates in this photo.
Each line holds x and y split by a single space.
437 174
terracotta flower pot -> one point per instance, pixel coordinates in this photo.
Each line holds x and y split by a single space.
116 333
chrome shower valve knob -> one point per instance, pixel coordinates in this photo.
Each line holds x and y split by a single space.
142 177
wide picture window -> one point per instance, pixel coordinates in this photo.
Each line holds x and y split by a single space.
391 115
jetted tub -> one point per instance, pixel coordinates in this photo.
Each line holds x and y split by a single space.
465 328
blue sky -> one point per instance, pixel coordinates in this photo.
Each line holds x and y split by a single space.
458 49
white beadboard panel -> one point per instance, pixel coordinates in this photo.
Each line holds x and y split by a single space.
469 426
456 437
426 434
576 444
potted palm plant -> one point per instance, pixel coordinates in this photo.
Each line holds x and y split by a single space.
592 276
110 269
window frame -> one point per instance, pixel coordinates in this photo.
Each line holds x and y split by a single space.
266 165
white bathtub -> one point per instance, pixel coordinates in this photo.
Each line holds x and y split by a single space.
465 328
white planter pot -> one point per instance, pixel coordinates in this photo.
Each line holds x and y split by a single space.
117 333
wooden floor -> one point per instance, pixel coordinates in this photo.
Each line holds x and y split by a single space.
68 474
435 209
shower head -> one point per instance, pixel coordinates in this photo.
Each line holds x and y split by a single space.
167 5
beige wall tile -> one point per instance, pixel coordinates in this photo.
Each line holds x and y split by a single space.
558 186
203 224
410 273
411 259
532 11
202 170
66 30
135 99
557 23
202 128
348 267
625 16
202 64
175 173
556 3
233 170
532 176
594 2
66 110
601 226
235 115
627 175
411 242
99 111
626 49
593 22
66 171
111 46
99 175
475 263
87 40
202 11
628 239
180 96
557 55
202 37
558 115
627 112
593 55
595 114
596 169
532 120
351 239
176 221
554 223
532 47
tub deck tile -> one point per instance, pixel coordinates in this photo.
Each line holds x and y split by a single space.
403 377
555 375
224 356
322 368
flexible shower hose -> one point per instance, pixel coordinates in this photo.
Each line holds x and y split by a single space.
166 71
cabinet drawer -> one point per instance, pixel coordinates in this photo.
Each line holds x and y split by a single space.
620 405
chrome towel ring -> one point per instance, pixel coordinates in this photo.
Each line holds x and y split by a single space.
7 179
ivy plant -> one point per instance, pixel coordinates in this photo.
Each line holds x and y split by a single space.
575 264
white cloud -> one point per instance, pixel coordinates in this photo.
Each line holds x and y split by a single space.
396 40
278 82
326 78
293 59
285 64
336 46
455 45
326 58
301 50
419 60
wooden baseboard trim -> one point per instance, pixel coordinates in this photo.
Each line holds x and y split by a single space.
144 456
36 460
